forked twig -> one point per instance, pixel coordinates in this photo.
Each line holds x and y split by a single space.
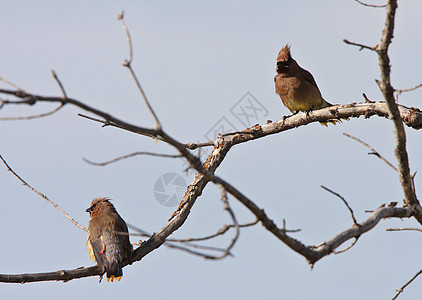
409 89
374 152
362 46
128 64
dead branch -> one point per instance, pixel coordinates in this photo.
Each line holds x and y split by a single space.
345 203
362 46
374 152
409 89
128 64
130 155
400 290
404 229
42 195
370 5
394 114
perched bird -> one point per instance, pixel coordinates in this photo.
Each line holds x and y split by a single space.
296 86
108 239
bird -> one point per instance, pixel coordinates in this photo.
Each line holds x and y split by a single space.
296 86
108 239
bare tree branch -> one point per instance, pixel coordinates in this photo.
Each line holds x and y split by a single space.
15 86
131 155
128 64
345 203
370 5
362 46
374 152
42 195
394 114
404 229
409 89
348 247
59 83
400 290
32 116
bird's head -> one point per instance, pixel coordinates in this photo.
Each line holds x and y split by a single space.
99 204
284 59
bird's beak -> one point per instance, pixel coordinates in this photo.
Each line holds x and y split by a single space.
89 210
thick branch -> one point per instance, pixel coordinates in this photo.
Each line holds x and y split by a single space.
394 114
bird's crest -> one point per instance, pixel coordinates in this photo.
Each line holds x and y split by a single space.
284 54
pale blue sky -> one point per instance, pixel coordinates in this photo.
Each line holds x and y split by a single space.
195 61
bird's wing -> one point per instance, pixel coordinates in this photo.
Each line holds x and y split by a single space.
96 248
307 76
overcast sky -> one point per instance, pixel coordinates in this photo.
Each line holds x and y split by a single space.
199 62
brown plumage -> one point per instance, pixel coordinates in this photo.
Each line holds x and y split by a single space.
108 238
296 86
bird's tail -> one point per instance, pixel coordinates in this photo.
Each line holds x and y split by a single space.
114 271
334 121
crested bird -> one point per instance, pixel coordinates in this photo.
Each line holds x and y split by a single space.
108 238
297 87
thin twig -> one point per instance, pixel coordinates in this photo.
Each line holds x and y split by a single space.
404 229
348 247
400 290
33 116
171 244
11 84
221 231
283 228
409 89
193 146
362 46
131 155
370 5
344 201
367 99
233 217
42 195
59 83
374 152
128 63
107 122
129 39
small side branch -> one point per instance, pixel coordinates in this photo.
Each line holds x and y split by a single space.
59 83
374 152
362 46
128 64
400 290
42 195
345 203
404 229
130 155
370 5
409 89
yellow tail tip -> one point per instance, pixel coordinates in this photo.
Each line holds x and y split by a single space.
111 278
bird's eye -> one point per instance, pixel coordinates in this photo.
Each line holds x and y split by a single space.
283 63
